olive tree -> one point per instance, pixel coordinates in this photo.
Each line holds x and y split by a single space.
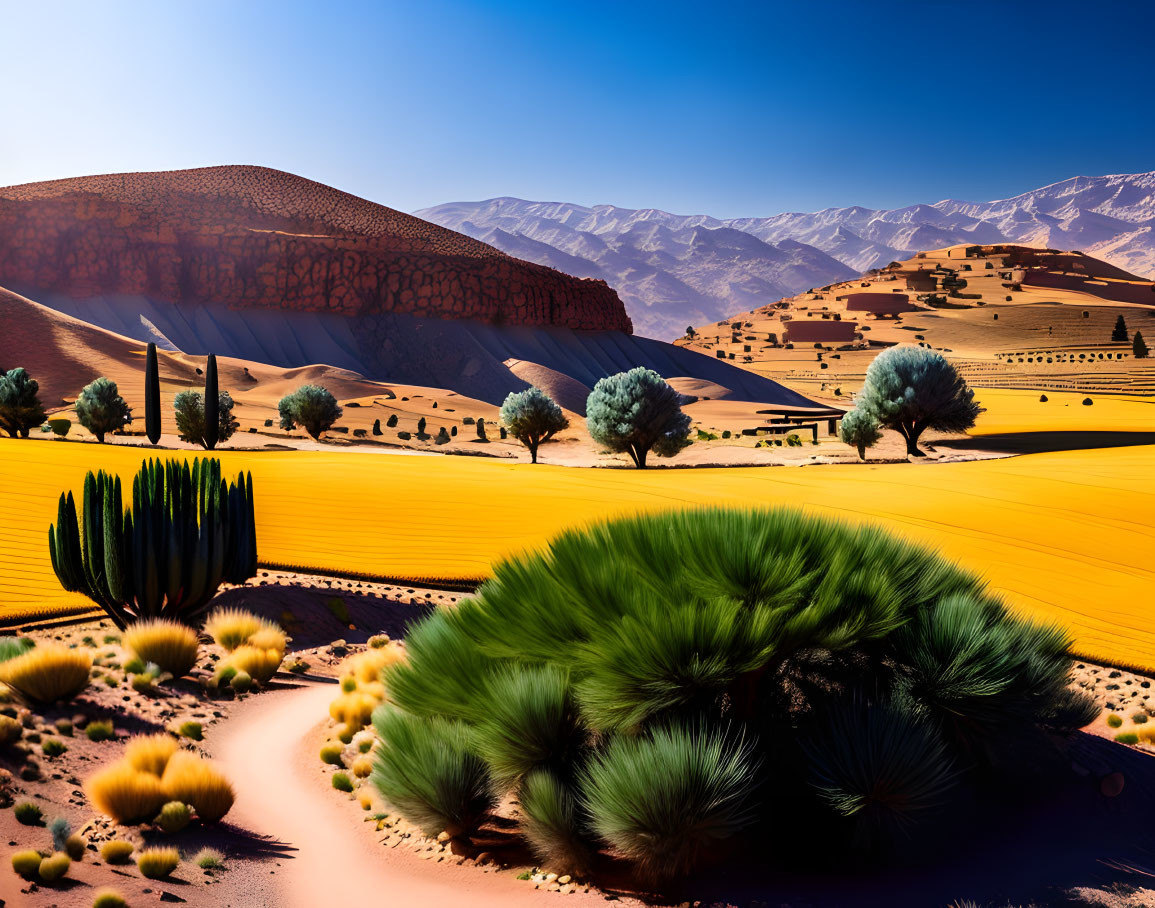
20 408
101 409
533 418
912 389
637 412
190 417
311 407
859 430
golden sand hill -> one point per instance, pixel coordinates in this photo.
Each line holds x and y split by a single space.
1008 316
255 238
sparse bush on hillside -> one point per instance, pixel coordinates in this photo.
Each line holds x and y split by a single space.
157 863
910 390
481 429
60 427
189 407
727 663
859 430
533 418
637 412
311 407
391 422
20 408
101 409
377 427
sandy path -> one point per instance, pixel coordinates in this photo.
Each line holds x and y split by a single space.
330 857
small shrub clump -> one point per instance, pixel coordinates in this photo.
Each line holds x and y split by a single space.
1114 720
209 859
342 782
157 863
99 730
116 851
168 644
28 814
173 817
54 867
47 673
108 898
27 863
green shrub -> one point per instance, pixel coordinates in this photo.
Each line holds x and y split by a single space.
426 769
1127 737
331 754
99 730
209 859
116 851
60 829
20 408
859 429
173 817
101 409
1114 720
191 729
665 798
11 647
311 407
554 823
342 782
1140 717
27 863
611 678
28 813
793 441
53 747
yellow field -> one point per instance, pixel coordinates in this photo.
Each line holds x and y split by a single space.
1022 411
1066 536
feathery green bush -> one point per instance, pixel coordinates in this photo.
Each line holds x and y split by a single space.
637 412
859 429
101 409
532 417
656 684
311 407
189 408
20 408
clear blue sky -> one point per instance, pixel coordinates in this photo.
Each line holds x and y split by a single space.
715 107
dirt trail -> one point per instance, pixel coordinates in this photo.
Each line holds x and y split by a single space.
329 856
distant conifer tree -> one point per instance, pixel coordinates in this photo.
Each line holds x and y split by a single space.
1120 333
1139 346
152 396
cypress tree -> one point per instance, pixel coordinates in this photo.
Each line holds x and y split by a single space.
1119 335
152 396
1139 346
212 404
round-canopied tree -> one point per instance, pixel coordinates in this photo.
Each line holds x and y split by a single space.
189 407
311 407
533 418
637 412
859 430
20 408
911 389
101 409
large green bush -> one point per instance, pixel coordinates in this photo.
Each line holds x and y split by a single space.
655 686
20 408
311 407
189 408
533 418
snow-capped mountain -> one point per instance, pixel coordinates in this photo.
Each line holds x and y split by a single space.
672 270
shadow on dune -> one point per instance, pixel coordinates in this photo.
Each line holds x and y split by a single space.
1043 442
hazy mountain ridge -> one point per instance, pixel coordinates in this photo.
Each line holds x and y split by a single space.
672 270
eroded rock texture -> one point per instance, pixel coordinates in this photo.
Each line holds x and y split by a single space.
251 237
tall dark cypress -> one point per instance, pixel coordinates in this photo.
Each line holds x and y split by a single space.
212 404
152 396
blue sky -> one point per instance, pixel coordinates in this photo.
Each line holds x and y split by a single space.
722 108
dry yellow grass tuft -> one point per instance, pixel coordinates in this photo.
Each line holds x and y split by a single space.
365 668
169 644
196 782
269 637
126 794
47 673
259 664
157 863
354 710
232 627
116 851
150 753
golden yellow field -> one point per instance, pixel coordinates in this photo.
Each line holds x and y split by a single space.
1022 411
1065 536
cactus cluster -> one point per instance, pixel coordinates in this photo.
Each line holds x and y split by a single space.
187 532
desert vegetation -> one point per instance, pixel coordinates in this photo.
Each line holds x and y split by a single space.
189 407
532 417
312 408
101 409
727 672
910 390
20 407
188 531
859 429
637 412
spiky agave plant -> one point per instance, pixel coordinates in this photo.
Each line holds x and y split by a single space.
186 532
606 681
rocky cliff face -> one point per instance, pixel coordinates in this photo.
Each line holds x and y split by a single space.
256 238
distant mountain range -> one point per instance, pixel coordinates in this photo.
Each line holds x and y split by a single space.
678 270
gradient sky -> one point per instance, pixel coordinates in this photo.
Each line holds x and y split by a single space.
720 108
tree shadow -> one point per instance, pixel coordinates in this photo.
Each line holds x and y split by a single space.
1044 442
